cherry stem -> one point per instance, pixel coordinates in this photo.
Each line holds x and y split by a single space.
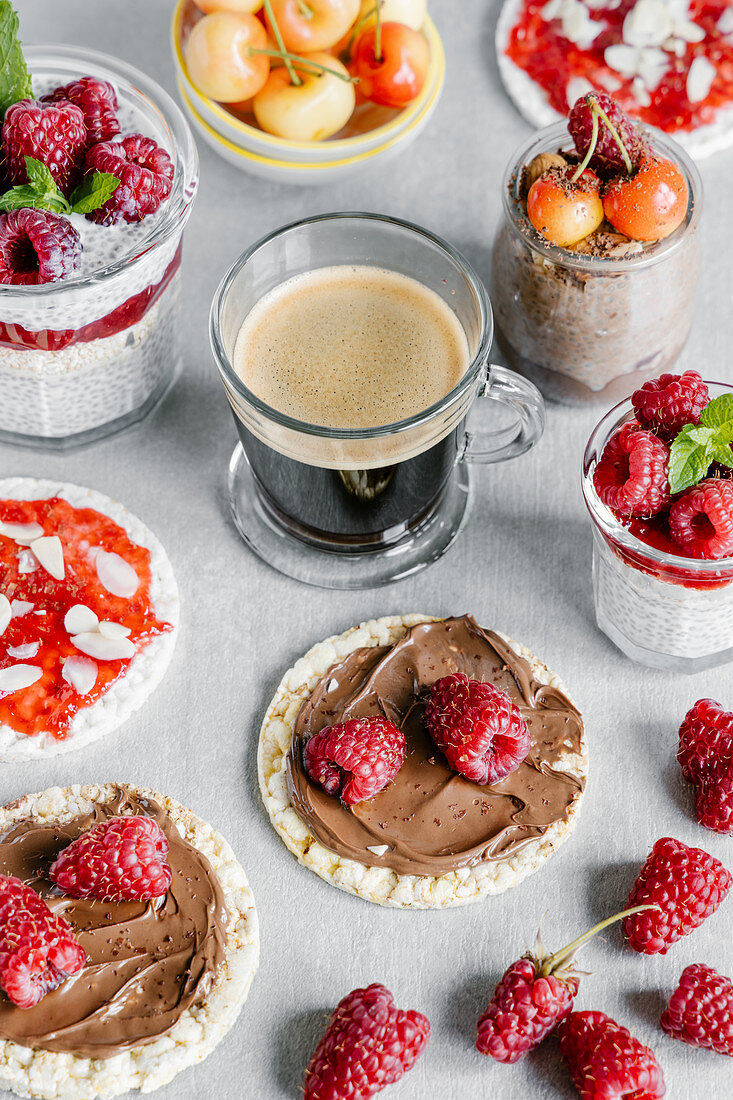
554 962
294 78
615 135
305 61
378 36
360 23
590 150
304 10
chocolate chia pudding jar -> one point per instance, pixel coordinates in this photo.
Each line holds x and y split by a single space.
591 328
92 353
661 609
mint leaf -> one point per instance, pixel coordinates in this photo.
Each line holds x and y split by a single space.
93 192
721 452
39 176
26 195
15 81
718 414
689 457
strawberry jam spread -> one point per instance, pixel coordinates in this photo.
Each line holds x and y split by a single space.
538 46
51 666
430 820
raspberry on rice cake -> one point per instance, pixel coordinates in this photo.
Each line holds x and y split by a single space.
88 616
429 837
162 980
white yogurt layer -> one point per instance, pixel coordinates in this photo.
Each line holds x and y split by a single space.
656 615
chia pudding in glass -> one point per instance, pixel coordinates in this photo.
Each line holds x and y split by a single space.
663 583
589 322
93 352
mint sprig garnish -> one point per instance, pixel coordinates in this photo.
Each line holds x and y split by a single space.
15 80
42 193
697 446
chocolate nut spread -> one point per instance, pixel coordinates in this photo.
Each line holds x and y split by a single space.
147 962
432 819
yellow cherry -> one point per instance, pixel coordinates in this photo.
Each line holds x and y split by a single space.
311 111
219 56
308 25
562 210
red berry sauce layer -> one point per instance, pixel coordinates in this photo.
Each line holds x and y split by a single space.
95 550
538 46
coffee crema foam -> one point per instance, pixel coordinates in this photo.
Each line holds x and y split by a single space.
351 347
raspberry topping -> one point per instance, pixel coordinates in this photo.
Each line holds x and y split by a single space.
607 157
477 727
37 247
356 759
700 1011
685 883
525 1007
98 103
122 859
706 733
701 519
631 474
37 949
144 170
369 1044
606 1061
665 404
714 800
53 133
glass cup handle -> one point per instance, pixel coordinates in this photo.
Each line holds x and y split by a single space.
524 399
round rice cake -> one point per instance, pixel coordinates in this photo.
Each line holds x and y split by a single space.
533 102
146 669
53 1075
380 884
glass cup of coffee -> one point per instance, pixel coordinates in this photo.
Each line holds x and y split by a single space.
354 350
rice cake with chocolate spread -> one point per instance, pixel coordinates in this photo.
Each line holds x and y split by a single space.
164 980
430 839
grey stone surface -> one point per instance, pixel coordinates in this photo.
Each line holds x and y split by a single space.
522 564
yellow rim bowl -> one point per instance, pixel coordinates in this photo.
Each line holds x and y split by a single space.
249 138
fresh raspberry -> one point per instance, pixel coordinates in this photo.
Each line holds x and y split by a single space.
700 1011
714 799
53 133
706 733
606 1061
368 1045
533 996
37 247
38 950
701 519
607 159
477 727
665 404
631 474
685 883
356 759
122 859
98 103
144 170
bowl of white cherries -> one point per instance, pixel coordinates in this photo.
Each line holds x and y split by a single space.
304 91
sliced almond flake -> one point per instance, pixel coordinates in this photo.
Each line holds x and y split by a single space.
6 612
24 651
27 562
116 575
80 619
50 554
378 849
18 608
104 649
113 630
24 533
332 684
16 677
647 23
700 79
81 673
577 86
725 23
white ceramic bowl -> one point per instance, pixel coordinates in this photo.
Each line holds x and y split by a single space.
312 162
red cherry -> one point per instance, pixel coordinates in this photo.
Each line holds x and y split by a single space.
562 210
650 204
398 75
